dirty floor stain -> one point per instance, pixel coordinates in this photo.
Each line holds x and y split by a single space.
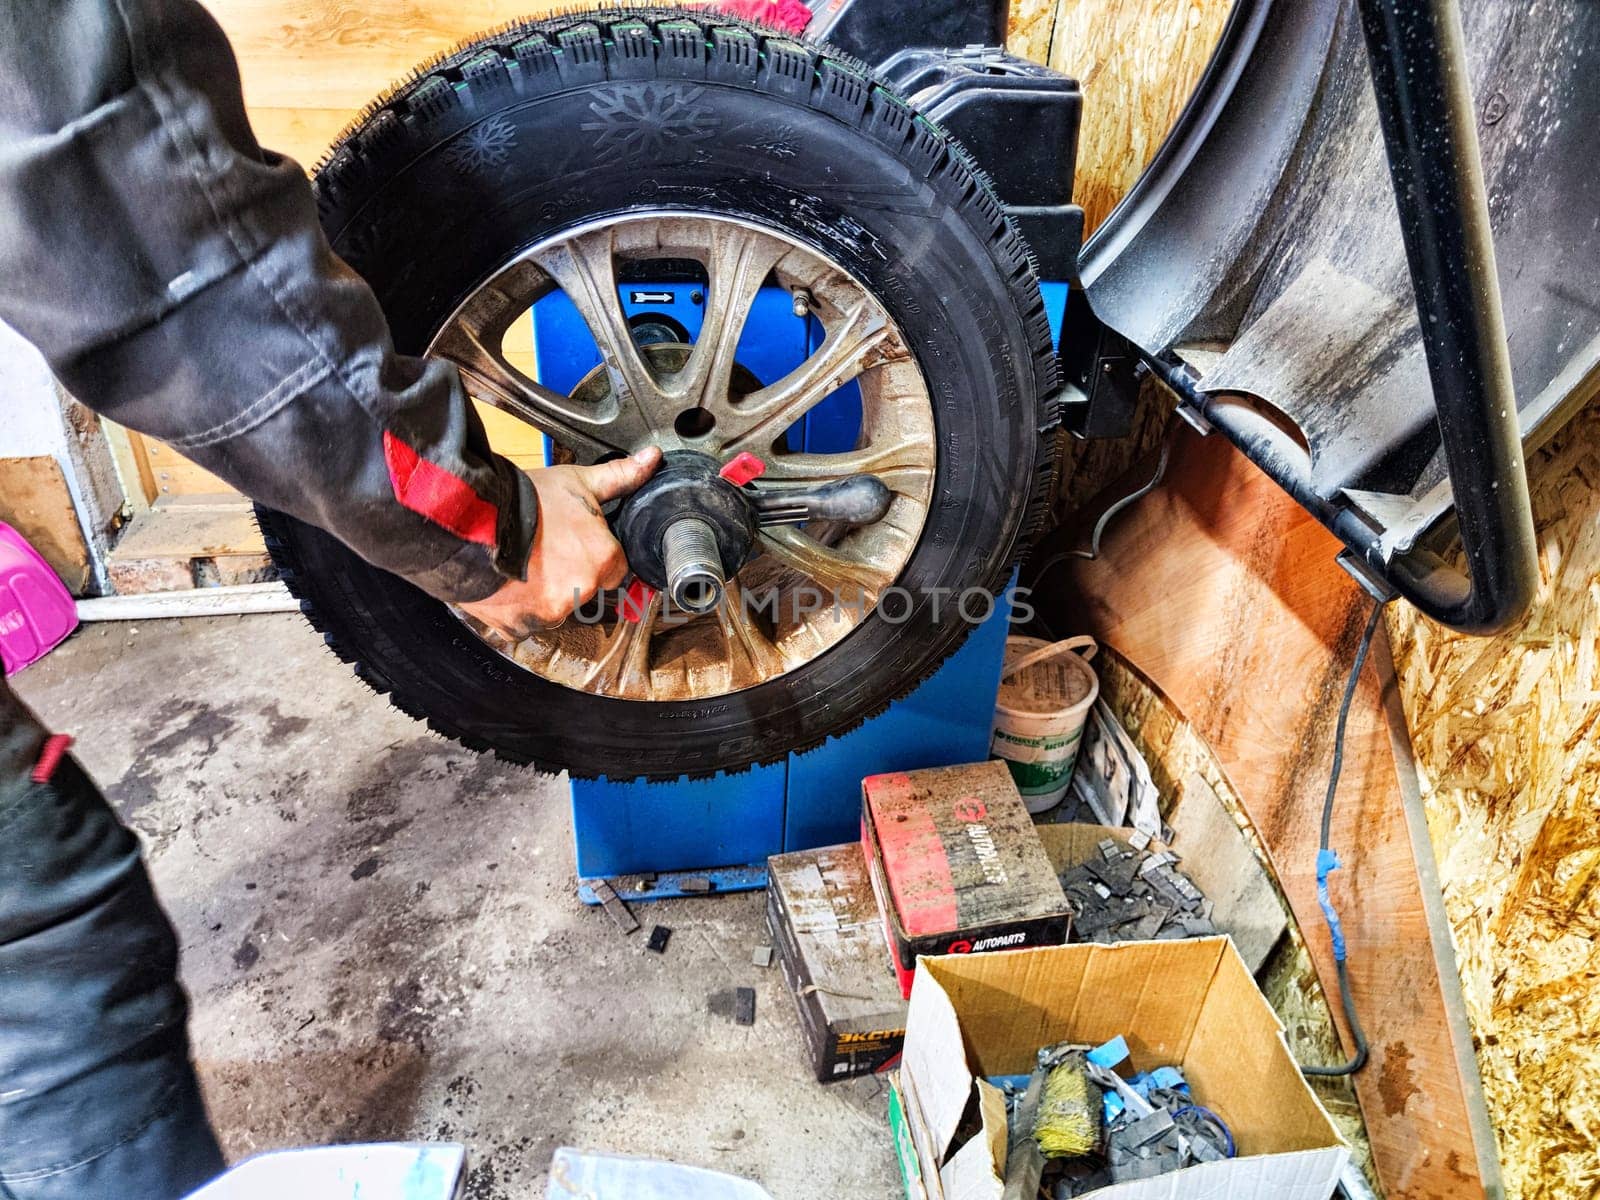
381 937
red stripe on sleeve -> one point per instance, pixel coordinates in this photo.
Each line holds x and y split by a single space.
50 755
430 491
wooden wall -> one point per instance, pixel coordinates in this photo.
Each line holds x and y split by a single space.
1506 732
309 66
1136 60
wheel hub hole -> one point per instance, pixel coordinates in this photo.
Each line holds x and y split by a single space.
698 595
695 422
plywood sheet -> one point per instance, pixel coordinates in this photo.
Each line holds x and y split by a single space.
1225 594
35 501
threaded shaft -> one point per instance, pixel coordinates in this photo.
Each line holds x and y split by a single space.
694 565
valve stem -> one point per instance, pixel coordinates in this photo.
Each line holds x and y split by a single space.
693 564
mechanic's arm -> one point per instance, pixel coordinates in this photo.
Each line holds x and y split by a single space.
176 279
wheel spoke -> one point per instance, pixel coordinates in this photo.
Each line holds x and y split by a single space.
903 466
840 573
490 378
737 261
585 268
755 422
622 668
747 643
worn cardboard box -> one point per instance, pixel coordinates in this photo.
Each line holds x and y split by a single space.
825 927
1187 1002
905 1149
957 865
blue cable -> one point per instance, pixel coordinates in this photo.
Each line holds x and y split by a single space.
1328 861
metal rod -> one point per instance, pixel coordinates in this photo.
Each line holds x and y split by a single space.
198 602
1418 63
1419 74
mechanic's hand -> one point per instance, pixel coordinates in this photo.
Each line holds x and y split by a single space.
574 554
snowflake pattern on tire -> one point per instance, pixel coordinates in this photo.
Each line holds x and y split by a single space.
486 145
647 121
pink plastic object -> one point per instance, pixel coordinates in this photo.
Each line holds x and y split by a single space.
742 468
36 611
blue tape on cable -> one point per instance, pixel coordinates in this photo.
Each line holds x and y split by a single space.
1327 863
1112 1103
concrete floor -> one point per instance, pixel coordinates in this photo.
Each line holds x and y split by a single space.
382 941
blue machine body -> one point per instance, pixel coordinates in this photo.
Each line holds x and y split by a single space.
723 828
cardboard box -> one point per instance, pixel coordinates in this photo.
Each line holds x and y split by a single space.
826 930
905 1149
957 865
1190 1003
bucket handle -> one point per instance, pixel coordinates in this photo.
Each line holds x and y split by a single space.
1051 651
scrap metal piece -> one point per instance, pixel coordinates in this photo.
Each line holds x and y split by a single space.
615 908
1116 873
659 936
761 956
694 883
744 1006
1149 1129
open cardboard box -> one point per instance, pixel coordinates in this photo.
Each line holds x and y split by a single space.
1190 1003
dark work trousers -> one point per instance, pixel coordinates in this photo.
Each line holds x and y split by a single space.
98 1098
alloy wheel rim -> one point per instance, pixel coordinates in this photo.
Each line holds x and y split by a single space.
806 588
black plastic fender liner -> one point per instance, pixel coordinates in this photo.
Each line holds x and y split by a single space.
1265 247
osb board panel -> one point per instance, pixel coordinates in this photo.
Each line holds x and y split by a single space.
1506 732
1137 62
35 501
1225 594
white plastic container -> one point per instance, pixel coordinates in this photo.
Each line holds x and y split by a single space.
1046 692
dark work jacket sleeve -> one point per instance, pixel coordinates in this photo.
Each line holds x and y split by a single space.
176 279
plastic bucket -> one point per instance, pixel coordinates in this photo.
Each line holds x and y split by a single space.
1046 691
36 610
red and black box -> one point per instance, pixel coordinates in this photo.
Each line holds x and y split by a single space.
957 866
